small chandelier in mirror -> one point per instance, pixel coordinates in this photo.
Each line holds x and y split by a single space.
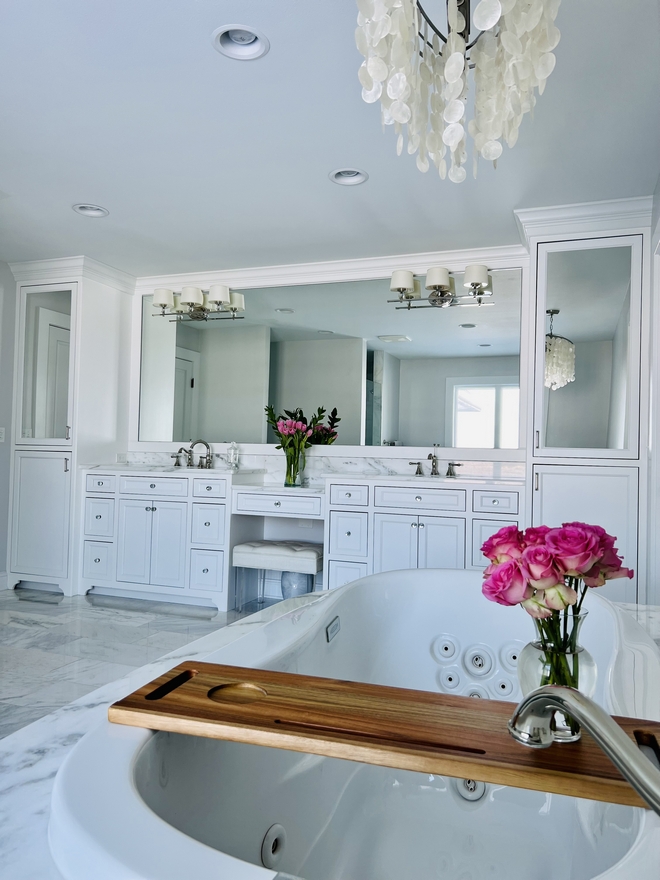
559 358
192 304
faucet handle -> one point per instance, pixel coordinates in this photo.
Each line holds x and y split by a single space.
419 472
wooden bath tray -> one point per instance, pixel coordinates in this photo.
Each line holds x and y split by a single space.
393 727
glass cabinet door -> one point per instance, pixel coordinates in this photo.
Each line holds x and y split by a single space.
588 348
45 379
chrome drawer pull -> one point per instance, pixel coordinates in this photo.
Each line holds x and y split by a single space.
495 501
418 497
278 504
97 559
207 524
152 485
208 488
100 483
348 494
205 571
98 516
348 534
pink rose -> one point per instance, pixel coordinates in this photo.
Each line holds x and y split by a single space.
535 535
609 568
605 541
536 607
559 597
506 585
504 545
538 566
574 548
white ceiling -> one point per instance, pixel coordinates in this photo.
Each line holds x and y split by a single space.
207 163
360 309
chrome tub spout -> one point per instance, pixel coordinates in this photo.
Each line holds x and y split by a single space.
530 725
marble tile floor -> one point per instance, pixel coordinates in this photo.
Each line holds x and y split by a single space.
54 650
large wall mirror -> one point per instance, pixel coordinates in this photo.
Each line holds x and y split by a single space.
589 317
446 376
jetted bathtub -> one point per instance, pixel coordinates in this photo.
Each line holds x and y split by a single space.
129 803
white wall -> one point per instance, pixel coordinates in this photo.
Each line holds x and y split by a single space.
326 372
578 413
423 387
7 318
620 385
233 387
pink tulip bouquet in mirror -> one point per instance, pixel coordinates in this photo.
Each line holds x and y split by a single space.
297 433
549 573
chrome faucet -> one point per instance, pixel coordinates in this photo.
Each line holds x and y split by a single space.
451 468
433 458
530 725
176 455
205 461
418 472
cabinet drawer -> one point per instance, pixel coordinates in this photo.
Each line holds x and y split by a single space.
208 524
348 533
97 483
98 560
340 573
494 502
206 570
435 499
153 486
100 517
278 505
482 530
349 495
210 488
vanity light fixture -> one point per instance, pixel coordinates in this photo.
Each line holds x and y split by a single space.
240 42
441 284
559 358
192 304
88 210
348 176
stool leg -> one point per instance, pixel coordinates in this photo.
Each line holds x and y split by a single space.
261 586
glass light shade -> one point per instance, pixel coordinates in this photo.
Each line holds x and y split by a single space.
437 278
178 307
237 302
219 293
163 297
476 276
402 279
559 362
192 296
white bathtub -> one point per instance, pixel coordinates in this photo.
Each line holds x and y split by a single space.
129 804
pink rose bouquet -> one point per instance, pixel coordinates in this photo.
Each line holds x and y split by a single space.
549 572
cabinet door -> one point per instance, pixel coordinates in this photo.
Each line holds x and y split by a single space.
208 524
602 496
134 540
206 570
168 544
441 542
100 517
40 514
395 542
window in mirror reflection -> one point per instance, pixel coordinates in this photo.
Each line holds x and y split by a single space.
590 289
319 345
485 416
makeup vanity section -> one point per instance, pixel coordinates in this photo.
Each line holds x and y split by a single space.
169 532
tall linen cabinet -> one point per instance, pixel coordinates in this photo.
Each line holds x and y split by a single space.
70 391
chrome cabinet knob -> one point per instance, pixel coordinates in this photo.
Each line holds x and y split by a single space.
413 525
100 483
348 495
495 501
207 524
147 508
97 559
152 485
421 525
418 497
278 504
348 534
205 571
208 488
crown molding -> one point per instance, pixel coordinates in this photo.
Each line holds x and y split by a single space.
366 269
72 269
587 218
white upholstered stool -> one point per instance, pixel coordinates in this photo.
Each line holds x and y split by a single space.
289 557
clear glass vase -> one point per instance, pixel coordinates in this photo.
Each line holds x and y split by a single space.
556 657
295 465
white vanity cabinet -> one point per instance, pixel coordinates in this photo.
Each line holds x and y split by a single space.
151 542
378 525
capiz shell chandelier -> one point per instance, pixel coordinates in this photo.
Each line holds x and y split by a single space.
420 75
559 358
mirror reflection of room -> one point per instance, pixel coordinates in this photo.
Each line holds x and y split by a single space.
443 376
588 303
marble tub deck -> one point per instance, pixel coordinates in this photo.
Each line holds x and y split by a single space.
30 757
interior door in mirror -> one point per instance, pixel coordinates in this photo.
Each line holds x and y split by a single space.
588 333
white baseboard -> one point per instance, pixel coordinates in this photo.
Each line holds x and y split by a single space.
4 581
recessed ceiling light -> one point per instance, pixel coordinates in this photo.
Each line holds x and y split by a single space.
348 176
240 42
326 332
467 326
484 345
90 210
395 338
285 311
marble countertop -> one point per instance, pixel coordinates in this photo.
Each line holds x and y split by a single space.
31 757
